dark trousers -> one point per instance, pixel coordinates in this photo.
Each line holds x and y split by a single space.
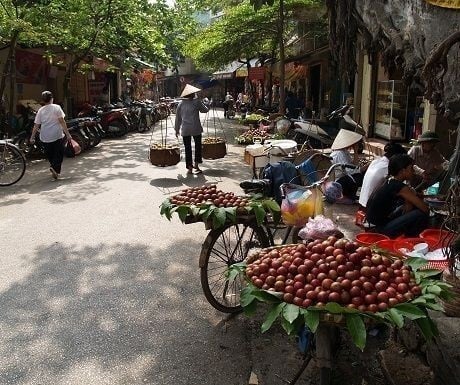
410 224
54 152
350 184
188 150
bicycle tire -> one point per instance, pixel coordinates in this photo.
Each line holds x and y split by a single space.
13 163
222 248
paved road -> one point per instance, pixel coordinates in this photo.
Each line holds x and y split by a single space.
97 288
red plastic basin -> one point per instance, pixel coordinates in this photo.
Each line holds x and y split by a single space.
368 239
442 238
431 242
404 243
386 244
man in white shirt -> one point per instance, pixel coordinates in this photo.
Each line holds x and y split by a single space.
377 172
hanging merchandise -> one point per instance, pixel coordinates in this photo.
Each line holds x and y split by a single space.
213 146
163 154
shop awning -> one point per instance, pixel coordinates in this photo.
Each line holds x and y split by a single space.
228 72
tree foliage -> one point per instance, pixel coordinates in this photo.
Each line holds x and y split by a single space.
243 33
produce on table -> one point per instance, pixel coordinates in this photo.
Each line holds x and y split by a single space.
213 140
338 281
248 136
253 118
210 205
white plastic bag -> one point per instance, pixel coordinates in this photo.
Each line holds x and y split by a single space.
319 227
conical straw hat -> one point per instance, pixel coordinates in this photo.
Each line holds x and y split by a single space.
345 139
189 89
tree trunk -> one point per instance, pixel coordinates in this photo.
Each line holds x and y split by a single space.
282 106
8 69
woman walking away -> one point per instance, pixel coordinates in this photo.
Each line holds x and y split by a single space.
188 125
394 207
50 121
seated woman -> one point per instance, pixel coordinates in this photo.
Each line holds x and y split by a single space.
394 207
350 179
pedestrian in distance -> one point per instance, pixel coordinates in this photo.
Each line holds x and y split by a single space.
188 125
53 128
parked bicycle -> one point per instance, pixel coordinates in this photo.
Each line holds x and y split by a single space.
232 242
12 163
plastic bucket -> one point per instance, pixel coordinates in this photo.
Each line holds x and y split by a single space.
386 244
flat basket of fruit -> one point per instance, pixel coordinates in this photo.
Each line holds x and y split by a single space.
215 207
164 154
214 148
338 281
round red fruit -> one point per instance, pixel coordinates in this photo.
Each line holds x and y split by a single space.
300 293
370 299
366 271
306 302
416 290
326 283
334 297
297 301
302 269
279 286
288 297
335 286
402 288
383 297
381 286
323 296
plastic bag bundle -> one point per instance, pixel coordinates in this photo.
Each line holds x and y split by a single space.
299 204
319 227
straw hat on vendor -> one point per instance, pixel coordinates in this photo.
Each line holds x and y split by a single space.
345 139
188 90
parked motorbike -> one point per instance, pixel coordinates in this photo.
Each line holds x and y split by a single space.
343 114
114 121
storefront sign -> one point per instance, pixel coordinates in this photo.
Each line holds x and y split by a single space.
242 72
256 73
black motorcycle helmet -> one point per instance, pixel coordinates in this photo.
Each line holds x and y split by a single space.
47 96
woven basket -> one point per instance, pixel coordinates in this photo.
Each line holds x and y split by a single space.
214 150
163 157
452 307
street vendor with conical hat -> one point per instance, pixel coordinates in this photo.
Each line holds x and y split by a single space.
352 178
188 125
429 164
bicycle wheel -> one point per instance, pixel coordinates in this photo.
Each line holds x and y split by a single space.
12 164
222 248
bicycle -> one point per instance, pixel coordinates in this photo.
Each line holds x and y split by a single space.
12 163
231 244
